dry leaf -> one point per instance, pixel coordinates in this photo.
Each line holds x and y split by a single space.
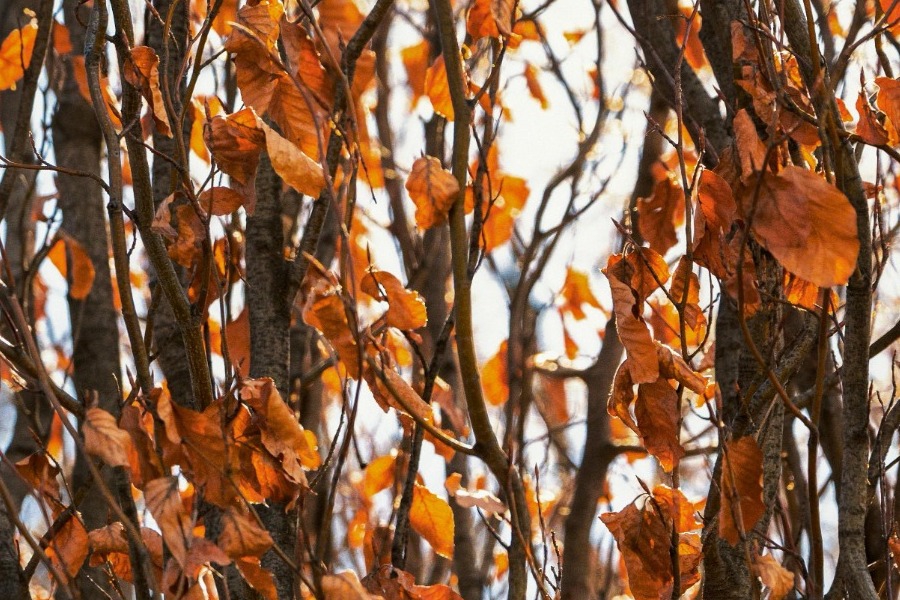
103 438
779 580
406 308
142 72
430 516
741 485
433 189
807 224
82 274
467 498
164 503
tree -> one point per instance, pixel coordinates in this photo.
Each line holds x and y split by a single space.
308 286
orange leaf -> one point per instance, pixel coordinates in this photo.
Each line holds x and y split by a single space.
430 516
379 474
15 55
103 438
888 100
741 485
433 189
750 149
490 18
576 292
807 224
142 72
237 335
415 61
82 274
494 378
534 85
324 310
242 536
282 434
406 308
164 503
779 580
437 88
257 577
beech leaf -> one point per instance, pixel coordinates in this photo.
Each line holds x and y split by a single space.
103 438
431 517
433 189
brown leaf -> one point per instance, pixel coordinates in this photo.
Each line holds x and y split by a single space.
631 279
430 516
393 584
741 485
142 72
433 189
242 536
779 580
37 472
81 279
660 214
220 201
236 142
750 149
15 55
69 546
164 503
807 224
644 537
657 421
406 307
296 168
103 438
869 128
344 586
282 434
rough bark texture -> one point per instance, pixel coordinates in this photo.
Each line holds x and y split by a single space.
270 327
166 331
